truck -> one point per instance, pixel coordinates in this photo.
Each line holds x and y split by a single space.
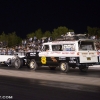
64 54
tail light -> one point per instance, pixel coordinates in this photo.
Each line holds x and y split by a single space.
97 53
77 53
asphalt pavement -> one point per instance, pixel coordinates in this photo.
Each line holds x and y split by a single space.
32 89
44 84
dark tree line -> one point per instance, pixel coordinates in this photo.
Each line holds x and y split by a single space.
11 39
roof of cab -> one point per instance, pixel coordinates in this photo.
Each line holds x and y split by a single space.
60 42
68 42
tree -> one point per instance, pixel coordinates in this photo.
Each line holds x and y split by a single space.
47 34
98 32
13 39
38 33
70 30
3 40
3 37
92 31
62 30
30 35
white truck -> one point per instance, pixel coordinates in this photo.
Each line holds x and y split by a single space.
80 53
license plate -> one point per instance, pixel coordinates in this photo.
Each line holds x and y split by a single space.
88 58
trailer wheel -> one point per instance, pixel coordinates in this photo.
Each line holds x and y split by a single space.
64 67
83 69
8 62
33 65
17 63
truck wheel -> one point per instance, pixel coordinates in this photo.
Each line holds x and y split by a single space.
64 67
17 63
33 65
83 69
52 68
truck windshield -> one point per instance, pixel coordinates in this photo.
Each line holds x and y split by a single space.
86 45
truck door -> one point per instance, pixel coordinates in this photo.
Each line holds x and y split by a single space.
45 51
87 52
43 55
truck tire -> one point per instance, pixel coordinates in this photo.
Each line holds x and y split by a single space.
12 62
33 65
64 67
83 69
17 63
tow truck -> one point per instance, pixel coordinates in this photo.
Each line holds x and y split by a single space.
64 54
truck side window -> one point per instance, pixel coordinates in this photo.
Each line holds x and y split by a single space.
46 47
68 47
56 47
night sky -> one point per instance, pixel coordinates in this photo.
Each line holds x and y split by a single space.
26 16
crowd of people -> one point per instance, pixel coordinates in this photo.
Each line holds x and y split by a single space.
27 45
32 45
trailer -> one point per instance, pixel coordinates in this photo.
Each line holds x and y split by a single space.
6 59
